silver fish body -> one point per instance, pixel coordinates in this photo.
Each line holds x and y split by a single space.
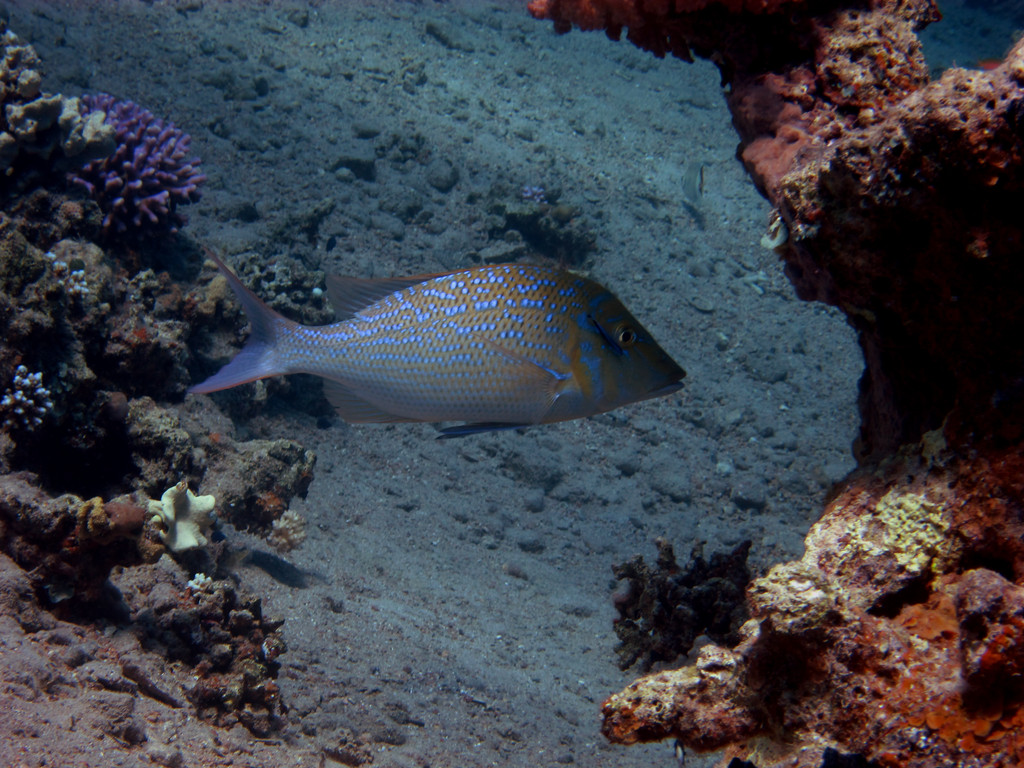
494 346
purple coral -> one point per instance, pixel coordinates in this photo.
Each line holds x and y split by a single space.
140 185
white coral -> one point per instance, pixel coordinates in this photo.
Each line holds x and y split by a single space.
185 517
74 280
26 401
200 583
287 532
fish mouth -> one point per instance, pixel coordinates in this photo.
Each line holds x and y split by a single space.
666 389
675 382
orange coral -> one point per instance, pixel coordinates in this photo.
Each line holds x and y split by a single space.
659 26
887 640
901 200
611 14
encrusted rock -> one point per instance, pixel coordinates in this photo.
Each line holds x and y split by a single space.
68 544
255 480
219 631
884 641
990 610
35 124
794 599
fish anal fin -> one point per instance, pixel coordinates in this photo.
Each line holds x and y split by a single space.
462 430
355 409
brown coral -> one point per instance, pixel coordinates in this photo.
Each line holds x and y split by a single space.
663 609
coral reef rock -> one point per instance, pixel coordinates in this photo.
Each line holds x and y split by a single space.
69 543
255 480
216 630
34 126
897 637
108 635
117 686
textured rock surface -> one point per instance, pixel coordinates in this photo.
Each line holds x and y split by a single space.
35 125
255 480
69 543
929 266
897 637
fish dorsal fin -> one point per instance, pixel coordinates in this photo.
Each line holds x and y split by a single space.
350 295
354 409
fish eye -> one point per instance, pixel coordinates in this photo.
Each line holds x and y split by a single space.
625 335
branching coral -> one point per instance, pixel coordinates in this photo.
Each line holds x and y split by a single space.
140 186
662 610
287 532
26 400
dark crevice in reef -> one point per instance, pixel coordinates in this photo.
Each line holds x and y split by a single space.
662 610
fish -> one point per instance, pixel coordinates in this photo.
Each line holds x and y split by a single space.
495 347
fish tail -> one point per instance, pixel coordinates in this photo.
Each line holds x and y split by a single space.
258 359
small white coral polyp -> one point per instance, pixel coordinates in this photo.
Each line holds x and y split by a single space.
26 400
288 532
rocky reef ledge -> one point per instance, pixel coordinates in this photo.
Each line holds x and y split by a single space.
897 636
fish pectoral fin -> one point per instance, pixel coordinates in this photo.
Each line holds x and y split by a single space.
537 380
355 409
461 430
